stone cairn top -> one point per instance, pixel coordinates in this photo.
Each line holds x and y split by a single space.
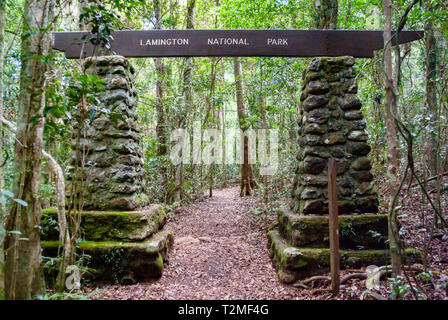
113 172
331 125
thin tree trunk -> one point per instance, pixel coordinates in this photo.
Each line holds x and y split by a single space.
247 182
431 97
188 102
392 139
160 88
2 183
390 125
24 278
327 14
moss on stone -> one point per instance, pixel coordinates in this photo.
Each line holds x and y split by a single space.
354 230
110 225
112 260
311 261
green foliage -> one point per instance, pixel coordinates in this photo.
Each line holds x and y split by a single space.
400 288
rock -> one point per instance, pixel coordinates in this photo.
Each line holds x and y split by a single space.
335 125
333 104
101 123
337 151
117 83
313 165
315 65
314 128
317 87
342 166
314 207
126 176
349 73
358 124
362 163
128 279
110 225
313 102
331 125
350 86
358 148
336 114
336 89
351 102
303 96
314 181
112 142
358 135
310 76
144 260
335 138
317 152
312 231
310 193
363 176
364 188
349 61
367 204
318 116
123 203
353 115
311 140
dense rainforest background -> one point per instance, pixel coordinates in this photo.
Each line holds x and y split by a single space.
48 101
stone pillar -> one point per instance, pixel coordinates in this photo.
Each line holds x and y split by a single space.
331 125
113 175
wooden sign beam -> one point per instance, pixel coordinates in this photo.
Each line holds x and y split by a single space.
232 43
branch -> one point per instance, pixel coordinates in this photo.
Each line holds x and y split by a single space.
432 178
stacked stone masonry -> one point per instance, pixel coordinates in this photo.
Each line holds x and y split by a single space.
113 170
331 125
122 241
119 246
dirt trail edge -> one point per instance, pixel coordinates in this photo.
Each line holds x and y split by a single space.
219 253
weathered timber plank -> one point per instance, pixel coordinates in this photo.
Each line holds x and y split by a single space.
230 43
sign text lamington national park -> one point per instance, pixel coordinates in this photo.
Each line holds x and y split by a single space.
231 43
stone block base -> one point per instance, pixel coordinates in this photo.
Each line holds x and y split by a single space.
115 261
366 231
118 246
109 225
293 263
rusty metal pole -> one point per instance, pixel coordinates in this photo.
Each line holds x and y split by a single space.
334 226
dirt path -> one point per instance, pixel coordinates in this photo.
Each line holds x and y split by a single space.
230 262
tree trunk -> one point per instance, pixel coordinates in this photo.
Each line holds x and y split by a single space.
2 183
188 103
327 14
431 98
392 139
247 182
160 88
24 278
390 124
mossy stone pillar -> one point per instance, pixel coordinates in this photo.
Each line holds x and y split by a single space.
113 172
331 125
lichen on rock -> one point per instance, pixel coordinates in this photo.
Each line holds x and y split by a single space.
112 178
332 125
